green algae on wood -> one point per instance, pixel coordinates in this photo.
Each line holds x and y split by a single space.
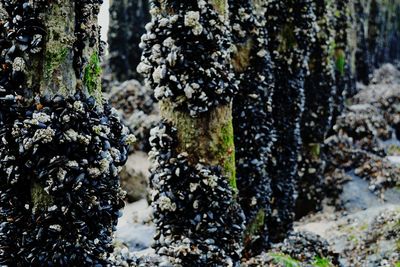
254 227
40 199
92 77
340 57
58 72
221 6
208 138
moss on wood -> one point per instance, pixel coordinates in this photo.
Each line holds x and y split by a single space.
58 72
40 199
241 59
92 77
208 139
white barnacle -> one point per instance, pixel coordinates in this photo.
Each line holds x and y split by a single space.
97 129
104 166
156 52
172 57
149 26
84 139
262 53
159 92
18 64
193 187
130 139
202 4
253 201
173 19
163 22
52 208
192 20
159 73
44 135
66 118
196 204
169 42
188 91
72 164
61 174
165 203
94 172
78 106
71 135
55 227
41 117
115 153
144 68
155 11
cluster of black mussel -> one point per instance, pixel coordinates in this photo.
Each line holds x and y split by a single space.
59 159
200 80
60 155
185 220
252 119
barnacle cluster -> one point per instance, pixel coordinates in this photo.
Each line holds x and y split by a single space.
190 66
319 88
127 22
289 41
320 83
252 118
198 222
59 169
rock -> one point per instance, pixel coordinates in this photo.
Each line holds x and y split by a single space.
365 125
135 228
387 74
361 200
135 176
298 249
365 238
394 159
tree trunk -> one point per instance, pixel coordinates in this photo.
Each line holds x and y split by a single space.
127 21
320 89
290 39
61 147
193 151
252 119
